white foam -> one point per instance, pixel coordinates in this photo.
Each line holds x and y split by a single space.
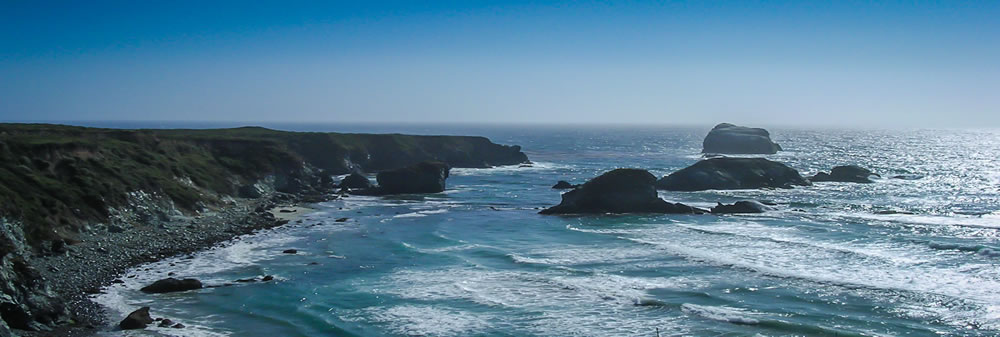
414 320
879 267
508 169
982 221
720 313
420 214
590 305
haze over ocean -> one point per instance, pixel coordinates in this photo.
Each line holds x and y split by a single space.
845 63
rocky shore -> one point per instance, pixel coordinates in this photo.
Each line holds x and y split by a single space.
78 206
102 258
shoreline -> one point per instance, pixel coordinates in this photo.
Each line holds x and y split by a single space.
101 258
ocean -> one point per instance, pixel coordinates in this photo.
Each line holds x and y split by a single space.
918 256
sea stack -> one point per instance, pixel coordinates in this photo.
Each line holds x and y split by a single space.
732 174
423 177
621 190
846 174
733 139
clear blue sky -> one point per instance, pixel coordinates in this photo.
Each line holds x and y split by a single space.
907 63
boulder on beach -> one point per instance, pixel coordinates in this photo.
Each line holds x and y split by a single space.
743 206
846 174
169 285
734 139
618 191
563 185
138 319
355 180
731 174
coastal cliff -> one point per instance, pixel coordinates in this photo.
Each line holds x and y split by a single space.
57 182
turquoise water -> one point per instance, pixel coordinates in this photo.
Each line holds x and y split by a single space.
478 261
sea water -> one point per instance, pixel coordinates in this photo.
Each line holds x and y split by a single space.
917 256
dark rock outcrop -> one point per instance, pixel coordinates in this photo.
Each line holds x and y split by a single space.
618 191
732 173
355 180
26 300
424 177
563 185
846 174
169 285
743 206
733 139
138 319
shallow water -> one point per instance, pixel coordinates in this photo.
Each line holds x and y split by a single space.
478 261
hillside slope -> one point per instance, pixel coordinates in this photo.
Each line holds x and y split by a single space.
59 181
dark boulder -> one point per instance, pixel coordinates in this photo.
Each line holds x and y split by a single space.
743 206
138 319
424 177
169 285
846 174
563 185
355 180
618 191
733 139
732 173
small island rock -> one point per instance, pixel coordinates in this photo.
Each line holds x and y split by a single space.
423 177
731 174
563 185
734 139
846 174
743 206
618 191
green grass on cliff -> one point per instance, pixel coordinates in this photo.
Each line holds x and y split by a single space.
56 176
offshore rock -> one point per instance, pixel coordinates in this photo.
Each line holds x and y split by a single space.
618 191
733 139
563 185
169 285
424 177
743 206
732 173
846 174
138 319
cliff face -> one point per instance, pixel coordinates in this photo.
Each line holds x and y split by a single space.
54 176
58 180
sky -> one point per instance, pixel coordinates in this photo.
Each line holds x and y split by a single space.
829 63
